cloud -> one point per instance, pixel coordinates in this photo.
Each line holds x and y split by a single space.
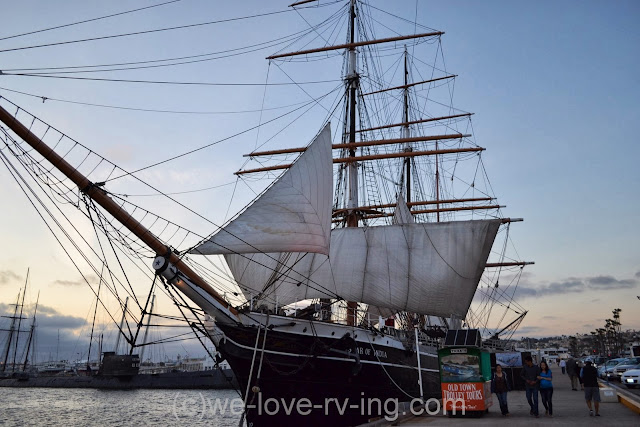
69 282
60 337
550 317
59 322
46 317
529 329
7 276
572 285
43 309
80 282
56 333
611 282
638 274
119 153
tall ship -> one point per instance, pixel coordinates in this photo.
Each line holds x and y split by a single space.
348 270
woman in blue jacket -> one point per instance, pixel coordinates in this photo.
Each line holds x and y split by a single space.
500 386
546 388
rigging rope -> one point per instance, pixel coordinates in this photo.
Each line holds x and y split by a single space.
89 20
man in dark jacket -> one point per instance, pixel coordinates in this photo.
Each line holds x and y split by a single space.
573 371
530 373
591 391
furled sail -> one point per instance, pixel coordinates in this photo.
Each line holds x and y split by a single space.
428 268
293 215
402 215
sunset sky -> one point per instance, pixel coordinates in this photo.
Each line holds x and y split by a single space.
555 88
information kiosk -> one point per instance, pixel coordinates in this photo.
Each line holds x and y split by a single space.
465 374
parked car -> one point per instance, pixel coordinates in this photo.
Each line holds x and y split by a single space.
596 360
621 368
631 377
607 373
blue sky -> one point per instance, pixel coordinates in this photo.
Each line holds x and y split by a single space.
554 87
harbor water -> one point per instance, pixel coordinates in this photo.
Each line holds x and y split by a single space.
57 406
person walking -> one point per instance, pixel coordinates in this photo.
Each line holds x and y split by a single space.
500 386
546 388
589 377
573 372
579 367
563 366
530 373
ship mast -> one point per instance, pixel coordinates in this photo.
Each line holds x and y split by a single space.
437 186
146 331
352 83
120 331
15 350
406 130
351 79
31 333
11 329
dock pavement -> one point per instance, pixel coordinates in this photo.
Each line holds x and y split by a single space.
569 408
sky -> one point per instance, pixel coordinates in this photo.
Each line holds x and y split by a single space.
554 87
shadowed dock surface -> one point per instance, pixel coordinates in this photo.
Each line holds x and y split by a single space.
569 408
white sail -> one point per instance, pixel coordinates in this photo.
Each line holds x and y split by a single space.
284 277
293 215
430 268
402 214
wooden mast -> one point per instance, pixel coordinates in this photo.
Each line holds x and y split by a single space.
372 157
406 128
437 186
352 46
362 144
426 211
509 264
374 209
298 3
432 119
429 202
352 80
10 338
31 333
103 199
407 85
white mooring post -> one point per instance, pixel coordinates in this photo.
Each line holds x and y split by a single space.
419 369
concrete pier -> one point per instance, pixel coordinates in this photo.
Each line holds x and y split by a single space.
569 408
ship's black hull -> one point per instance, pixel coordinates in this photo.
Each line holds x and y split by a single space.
346 381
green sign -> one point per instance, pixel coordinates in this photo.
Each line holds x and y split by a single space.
464 364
